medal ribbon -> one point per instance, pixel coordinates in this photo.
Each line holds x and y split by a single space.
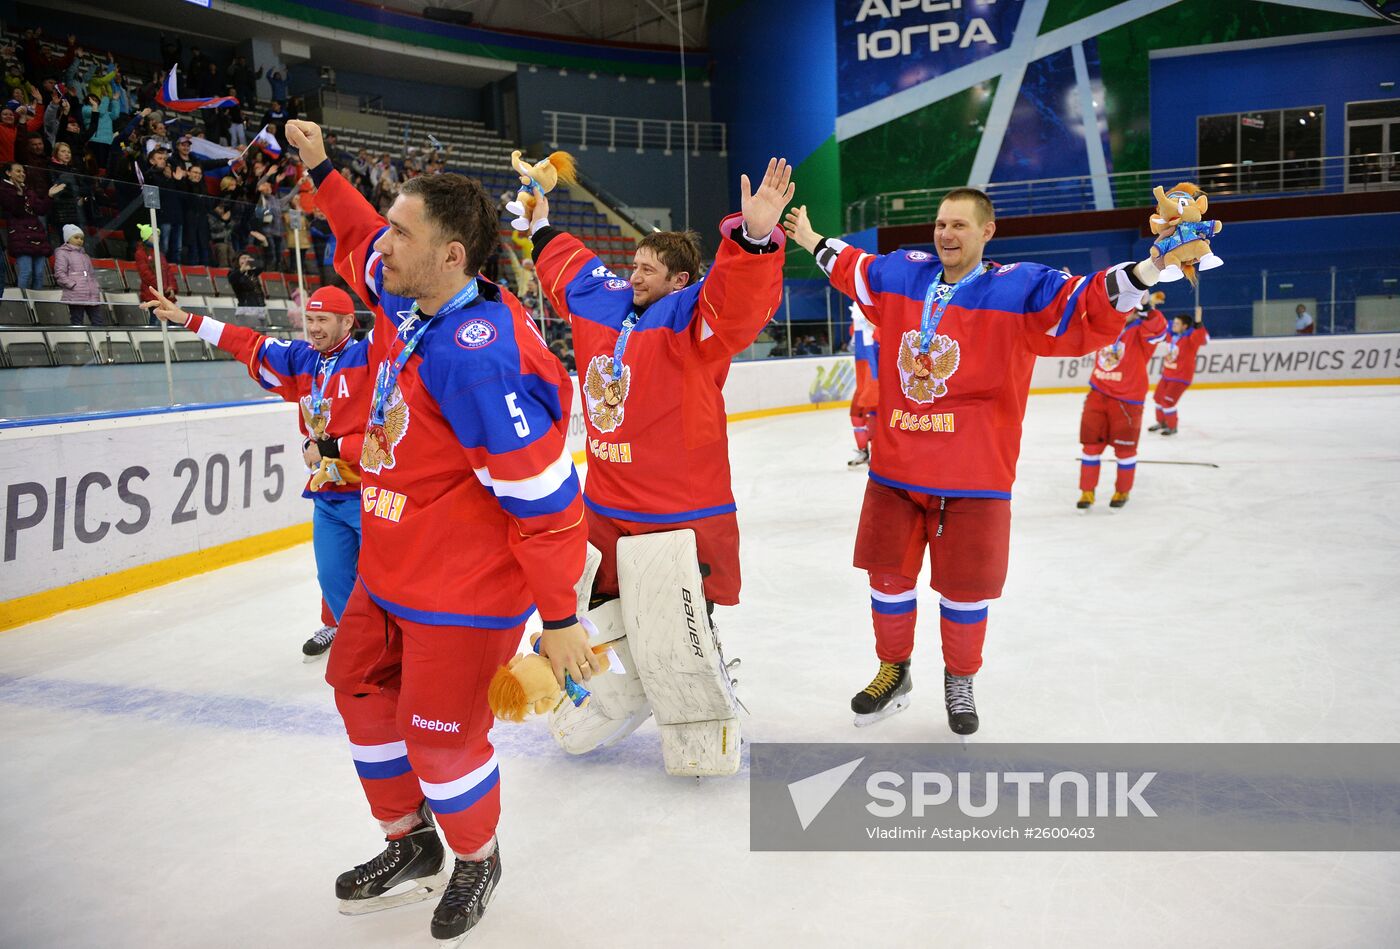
928 322
388 376
632 320
318 392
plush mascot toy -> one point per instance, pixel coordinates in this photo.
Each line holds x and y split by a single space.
527 684
332 471
539 178
1182 244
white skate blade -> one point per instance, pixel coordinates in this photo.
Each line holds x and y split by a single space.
897 704
421 889
310 659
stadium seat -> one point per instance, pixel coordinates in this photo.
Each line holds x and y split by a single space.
50 313
109 275
71 348
129 314
199 281
16 312
24 349
115 347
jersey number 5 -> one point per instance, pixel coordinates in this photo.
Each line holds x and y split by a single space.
522 427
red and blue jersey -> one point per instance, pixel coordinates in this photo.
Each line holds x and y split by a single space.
1120 368
865 345
658 444
1179 363
473 514
950 413
295 371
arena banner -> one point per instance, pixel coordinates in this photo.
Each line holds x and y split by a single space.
886 46
84 499
1267 360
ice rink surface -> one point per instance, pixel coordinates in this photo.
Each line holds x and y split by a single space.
175 776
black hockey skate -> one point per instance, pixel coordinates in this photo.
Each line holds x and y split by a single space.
315 647
416 857
1155 428
886 694
860 459
466 896
1168 431
957 697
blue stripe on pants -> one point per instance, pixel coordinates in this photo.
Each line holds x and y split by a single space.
335 537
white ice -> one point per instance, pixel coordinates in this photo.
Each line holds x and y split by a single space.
174 775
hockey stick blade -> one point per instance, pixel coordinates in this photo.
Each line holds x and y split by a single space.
1193 464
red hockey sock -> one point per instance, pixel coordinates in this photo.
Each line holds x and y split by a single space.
862 434
1089 467
1127 467
1161 416
380 756
893 608
964 629
463 787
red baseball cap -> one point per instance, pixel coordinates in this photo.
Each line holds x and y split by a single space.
331 300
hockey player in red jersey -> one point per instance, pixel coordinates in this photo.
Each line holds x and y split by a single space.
1113 408
653 353
1184 338
959 338
326 376
865 344
473 520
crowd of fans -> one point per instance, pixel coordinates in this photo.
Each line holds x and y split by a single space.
78 138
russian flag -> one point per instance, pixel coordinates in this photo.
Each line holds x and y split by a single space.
268 143
170 98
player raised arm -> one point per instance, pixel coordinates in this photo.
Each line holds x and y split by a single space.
854 272
274 364
353 220
742 290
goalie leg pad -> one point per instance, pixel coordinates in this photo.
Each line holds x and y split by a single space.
618 704
676 653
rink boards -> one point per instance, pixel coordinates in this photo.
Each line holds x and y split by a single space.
97 508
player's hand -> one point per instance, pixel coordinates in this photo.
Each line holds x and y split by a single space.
311 454
540 211
567 651
799 228
306 138
764 207
165 309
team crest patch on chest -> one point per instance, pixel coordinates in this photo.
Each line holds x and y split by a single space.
381 440
1110 356
606 394
474 334
316 422
1172 353
924 376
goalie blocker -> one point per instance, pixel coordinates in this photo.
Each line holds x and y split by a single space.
674 666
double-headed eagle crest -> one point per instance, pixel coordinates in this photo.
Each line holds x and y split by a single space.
606 394
1110 356
380 440
924 376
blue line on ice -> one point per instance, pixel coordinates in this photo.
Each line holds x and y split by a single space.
187 709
